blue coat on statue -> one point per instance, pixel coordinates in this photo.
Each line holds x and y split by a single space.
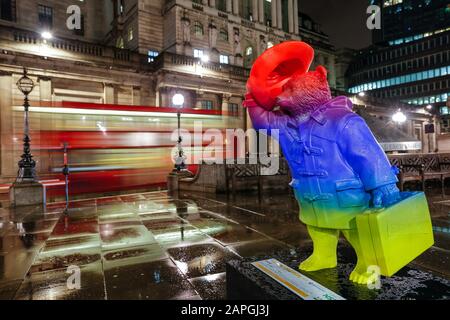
335 161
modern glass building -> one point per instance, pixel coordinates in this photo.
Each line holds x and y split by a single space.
410 57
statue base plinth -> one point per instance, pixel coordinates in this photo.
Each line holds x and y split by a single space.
27 194
246 282
173 180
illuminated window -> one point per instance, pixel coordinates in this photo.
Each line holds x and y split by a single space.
269 44
152 55
120 43
198 53
130 34
418 76
249 51
224 59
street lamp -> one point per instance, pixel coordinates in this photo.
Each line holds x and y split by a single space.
27 165
362 94
399 117
46 35
178 102
205 58
429 107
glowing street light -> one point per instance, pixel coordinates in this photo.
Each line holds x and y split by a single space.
46 35
429 107
399 117
362 94
205 58
178 102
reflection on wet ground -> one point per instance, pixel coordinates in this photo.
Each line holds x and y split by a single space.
152 246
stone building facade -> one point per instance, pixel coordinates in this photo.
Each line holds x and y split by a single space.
140 52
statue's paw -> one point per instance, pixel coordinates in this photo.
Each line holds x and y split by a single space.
315 263
362 277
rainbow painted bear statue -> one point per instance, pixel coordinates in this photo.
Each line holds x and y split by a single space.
340 172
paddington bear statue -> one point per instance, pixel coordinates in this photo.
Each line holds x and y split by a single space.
338 168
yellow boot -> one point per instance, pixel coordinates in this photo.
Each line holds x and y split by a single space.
324 254
360 274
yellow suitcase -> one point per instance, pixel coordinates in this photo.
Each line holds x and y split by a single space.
393 237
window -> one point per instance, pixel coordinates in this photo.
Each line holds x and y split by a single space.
45 15
222 5
249 51
8 10
223 35
233 109
130 34
152 55
198 29
269 44
224 59
198 53
207 104
119 43
121 7
80 32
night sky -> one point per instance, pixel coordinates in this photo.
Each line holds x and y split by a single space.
343 20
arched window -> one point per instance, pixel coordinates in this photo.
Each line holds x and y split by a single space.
120 43
198 29
248 51
223 35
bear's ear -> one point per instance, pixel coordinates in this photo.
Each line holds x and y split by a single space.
322 71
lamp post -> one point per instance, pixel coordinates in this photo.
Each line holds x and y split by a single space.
178 102
27 166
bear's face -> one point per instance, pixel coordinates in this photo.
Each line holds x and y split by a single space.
304 93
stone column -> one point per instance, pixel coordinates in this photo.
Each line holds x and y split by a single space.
296 25
157 99
261 11
108 93
279 15
136 95
332 71
45 88
236 7
255 10
8 162
291 15
273 6
229 6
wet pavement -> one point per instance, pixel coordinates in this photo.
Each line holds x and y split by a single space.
152 246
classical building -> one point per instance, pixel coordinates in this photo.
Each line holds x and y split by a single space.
139 52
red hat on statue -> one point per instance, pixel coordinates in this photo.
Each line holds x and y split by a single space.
275 67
